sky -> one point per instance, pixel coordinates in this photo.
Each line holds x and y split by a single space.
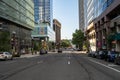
66 12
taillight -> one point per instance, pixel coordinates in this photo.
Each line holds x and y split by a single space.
1 55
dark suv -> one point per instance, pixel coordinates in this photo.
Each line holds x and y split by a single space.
117 58
59 50
102 54
111 56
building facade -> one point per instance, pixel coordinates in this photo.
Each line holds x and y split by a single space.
81 15
90 35
57 29
89 25
17 17
102 24
107 25
43 21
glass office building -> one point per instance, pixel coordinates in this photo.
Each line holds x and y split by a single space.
94 8
18 17
43 20
81 15
43 11
100 6
88 11
89 17
98 15
107 24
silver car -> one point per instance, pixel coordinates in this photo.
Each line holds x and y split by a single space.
5 55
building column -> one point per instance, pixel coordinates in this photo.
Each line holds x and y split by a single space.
107 26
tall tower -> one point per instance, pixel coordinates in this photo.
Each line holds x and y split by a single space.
89 25
44 20
43 11
81 14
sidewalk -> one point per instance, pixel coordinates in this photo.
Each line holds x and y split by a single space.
34 55
83 52
29 55
52 52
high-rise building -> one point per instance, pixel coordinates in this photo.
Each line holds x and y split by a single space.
17 17
43 11
90 11
81 15
43 21
57 29
89 25
102 24
107 24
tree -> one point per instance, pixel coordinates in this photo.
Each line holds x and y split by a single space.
36 45
65 43
78 39
5 41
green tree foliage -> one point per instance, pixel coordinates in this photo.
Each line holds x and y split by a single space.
86 45
37 45
65 43
78 39
51 45
5 41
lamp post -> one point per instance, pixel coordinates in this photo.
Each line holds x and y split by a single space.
13 43
32 45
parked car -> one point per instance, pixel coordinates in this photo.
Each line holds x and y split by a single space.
43 51
105 55
101 54
117 58
90 54
111 56
5 55
16 54
59 50
95 54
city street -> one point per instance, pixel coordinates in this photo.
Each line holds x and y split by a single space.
59 39
59 66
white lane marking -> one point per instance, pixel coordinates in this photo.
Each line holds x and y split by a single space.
40 62
105 65
111 65
68 62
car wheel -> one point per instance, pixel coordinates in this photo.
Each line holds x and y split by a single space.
108 60
11 58
115 61
5 58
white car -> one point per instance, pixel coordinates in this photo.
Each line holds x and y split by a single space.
5 55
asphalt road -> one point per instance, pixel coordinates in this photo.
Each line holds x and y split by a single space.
61 66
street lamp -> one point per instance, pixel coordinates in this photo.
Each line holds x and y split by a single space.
13 41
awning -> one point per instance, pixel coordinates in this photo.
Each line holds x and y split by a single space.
115 36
